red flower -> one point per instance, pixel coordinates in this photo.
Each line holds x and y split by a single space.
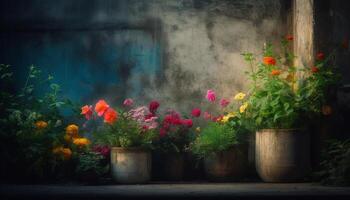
275 72
110 116
224 102
314 69
187 122
218 118
87 111
153 106
149 116
269 60
289 37
320 56
196 112
101 107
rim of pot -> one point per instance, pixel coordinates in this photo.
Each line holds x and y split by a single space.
130 149
279 129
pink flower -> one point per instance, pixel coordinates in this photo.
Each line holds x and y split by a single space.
207 115
211 96
196 112
128 102
153 106
187 122
87 111
224 102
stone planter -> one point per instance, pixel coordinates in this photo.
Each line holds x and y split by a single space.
282 155
228 165
131 165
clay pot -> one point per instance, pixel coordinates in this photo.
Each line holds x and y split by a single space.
131 165
227 165
282 155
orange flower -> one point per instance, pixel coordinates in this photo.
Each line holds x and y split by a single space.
81 141
110 116
41 124
289 37
67 138
314 69
275 72
72 130
326 110
320 56
269 60
87 111
101 107
65 152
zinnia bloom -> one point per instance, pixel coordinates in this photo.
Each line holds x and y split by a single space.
72 130
81 142
239 96
101 107
41 124
289 37
196 112
110 116
128 102
187 122
211 95
87 111
275 72
224 102
314 69
243 107
269 60
320 56
153 106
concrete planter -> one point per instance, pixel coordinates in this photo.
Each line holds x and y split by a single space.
228 165
282 155
131 165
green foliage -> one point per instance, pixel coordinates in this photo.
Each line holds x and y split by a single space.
214 138
336 164
90 162
125 132
277 99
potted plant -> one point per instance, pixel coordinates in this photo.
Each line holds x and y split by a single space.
221 142
129 134
171 146
282 99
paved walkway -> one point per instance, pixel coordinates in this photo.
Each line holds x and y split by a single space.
181 190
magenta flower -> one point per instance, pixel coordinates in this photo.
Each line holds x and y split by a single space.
153 106
128 102
187 122
224 102
196 112
211 95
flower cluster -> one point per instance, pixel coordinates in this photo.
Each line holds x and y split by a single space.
103 110
172 121
144 117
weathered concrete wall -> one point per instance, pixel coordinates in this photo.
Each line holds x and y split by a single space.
195 44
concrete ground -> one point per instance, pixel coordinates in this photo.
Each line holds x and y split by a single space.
174 191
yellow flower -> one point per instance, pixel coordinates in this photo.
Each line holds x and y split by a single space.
239 96
41 124
198 129
81 141
72 130
228 117
243 107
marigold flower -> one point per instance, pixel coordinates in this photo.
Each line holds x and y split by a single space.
239 96
128 102
275 72
243 107
65 152
314 69
269 60
227 117
72 130
87 111
224 102
67 138
41 124
320 56
101 107
196 112
153 106
211 95
289 37
110 116
326 110
81 141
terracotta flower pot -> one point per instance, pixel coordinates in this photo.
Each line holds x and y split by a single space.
228 165
131 165
282 155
